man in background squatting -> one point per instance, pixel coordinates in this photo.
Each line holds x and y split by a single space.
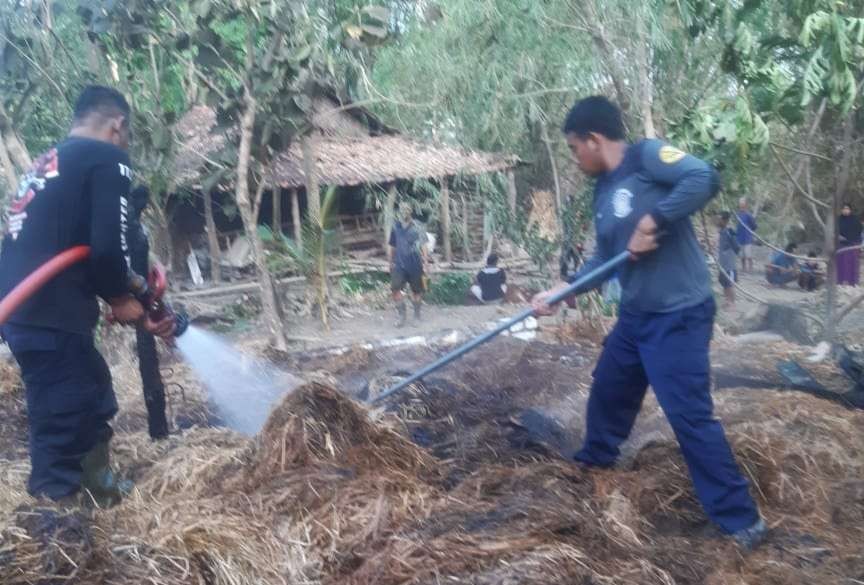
75 194
667 310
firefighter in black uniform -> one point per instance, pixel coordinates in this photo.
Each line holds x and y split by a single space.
75 194
148 356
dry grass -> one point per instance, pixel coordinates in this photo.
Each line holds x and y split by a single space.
327 494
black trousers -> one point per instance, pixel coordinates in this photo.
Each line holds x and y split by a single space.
69 403
151 380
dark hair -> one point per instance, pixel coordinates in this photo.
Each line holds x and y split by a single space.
138 198
790 247
846 204
811 254
724 216
106 101
595 114
492 260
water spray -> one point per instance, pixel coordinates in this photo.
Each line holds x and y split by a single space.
243 389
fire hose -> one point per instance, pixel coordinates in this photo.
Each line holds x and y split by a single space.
149 292
601 270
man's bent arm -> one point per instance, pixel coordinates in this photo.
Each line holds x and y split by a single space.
109 251
694 182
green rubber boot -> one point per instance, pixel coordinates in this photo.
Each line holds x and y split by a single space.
98 481
401 314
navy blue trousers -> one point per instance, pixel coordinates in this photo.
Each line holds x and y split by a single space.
669 351
69 403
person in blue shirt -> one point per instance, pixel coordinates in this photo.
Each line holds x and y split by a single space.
783 268
746 228
727 256
667 309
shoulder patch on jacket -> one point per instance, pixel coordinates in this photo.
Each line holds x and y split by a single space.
670 154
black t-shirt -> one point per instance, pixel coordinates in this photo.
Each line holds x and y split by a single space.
75 194
490 280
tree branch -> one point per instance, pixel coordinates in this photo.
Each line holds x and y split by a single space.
38 68
804 152
795 182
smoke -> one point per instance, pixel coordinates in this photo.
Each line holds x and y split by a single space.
243 389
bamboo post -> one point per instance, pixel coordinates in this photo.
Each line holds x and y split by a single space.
389 212
487 228
277 210
445 220
296 220
466 236
212 238
511 191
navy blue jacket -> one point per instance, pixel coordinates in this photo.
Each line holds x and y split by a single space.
657 179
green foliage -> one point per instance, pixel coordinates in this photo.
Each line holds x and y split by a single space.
320 246
358 284
448 288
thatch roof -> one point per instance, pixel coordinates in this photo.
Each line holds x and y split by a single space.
381 159
194 132
353 148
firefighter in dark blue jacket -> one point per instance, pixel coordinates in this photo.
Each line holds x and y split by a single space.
667 311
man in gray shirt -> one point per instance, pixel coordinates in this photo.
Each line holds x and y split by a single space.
667 310
407 253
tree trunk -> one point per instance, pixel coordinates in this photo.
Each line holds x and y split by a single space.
212 238
488 233
843 173
313 194
550 152
607 51
14 145
646 86
246 206
10 174
512 194
276 193
389 213
296 220
161 245
830 282
308 145
445 221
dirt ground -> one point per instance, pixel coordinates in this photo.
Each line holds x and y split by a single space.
465 478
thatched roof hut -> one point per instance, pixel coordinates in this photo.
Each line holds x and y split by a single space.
353 148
